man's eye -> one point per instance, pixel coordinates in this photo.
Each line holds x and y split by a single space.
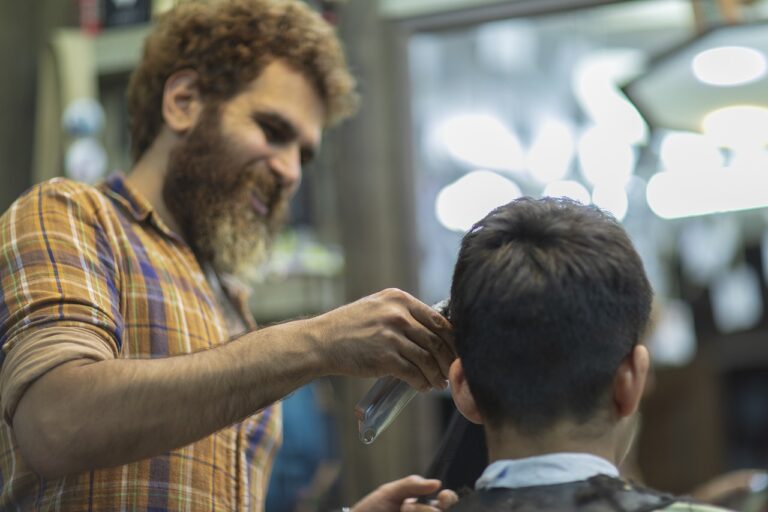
271 133
274 134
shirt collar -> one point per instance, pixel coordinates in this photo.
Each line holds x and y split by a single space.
134 203
236 291
549 469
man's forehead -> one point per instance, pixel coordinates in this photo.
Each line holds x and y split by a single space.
278 80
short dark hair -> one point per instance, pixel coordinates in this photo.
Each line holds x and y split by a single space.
228 43
548 297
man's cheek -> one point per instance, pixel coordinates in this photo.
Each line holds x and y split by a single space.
253 143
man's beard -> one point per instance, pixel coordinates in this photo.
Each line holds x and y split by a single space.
210 194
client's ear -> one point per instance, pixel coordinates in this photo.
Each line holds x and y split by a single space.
462 396
629 381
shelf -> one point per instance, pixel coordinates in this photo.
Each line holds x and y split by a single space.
118 50
295 296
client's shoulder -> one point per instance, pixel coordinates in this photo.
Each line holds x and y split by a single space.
597 494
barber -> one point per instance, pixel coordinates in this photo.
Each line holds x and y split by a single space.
133 377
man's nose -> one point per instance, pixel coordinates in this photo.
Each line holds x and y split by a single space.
286 165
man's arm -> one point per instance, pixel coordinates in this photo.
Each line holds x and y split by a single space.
84 414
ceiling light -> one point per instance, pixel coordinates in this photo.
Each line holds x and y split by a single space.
729 65
674 195
551 152
481 140
737 301
669 93
688 151
604 157
737 126
673 337
596 81
471 197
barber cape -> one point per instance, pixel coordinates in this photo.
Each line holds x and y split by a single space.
565 482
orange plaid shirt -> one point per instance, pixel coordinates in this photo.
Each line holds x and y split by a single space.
99 259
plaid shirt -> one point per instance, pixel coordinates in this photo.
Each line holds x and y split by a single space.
100 259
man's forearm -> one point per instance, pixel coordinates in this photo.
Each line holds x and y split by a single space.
85 414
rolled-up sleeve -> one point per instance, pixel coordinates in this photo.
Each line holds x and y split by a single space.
41 351
59 283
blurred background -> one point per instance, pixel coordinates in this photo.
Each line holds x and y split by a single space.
656 110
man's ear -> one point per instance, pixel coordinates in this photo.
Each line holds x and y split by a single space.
462 396
629 381
182 103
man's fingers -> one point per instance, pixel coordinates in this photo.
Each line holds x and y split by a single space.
432 320
425 362
441 356
409 486
438 337
391 497
411 373
446 499
400 494
418 507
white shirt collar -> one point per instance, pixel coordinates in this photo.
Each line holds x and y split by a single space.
550 469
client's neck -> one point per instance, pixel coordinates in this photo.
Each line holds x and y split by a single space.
509 443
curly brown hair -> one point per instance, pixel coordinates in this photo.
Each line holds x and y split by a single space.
228 43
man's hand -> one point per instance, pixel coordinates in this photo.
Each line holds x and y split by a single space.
388 333
399 496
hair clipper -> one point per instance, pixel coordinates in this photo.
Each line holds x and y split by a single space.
386 399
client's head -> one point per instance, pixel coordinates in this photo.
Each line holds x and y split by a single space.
548 301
